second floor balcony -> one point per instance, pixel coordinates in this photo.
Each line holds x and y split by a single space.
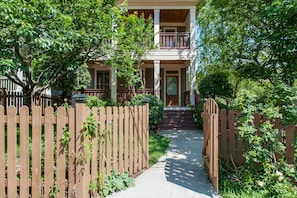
174 40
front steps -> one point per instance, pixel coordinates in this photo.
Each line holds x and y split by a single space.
178 119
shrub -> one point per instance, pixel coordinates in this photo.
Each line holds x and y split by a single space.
156 108
216 84
93 101
266 174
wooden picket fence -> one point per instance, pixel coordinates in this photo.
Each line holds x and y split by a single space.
222 141
231 147
51 154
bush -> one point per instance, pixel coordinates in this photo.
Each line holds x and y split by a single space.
93 101
156 108
216 84
266 173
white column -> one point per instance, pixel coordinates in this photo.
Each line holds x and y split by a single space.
193 28
157 78
193 63
114 84
157 27
192 70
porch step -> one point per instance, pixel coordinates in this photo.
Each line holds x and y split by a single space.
178 120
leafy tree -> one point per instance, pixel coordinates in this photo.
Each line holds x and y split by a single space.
132 44
77 80
249 39
216 84
49 40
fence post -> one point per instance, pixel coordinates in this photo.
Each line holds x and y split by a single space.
82 161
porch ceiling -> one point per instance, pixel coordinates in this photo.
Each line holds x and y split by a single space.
166 16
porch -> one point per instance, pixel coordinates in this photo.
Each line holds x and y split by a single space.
124 95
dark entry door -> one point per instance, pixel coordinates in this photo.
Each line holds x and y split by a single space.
172 91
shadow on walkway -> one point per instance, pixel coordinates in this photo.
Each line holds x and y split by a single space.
188 176
178 174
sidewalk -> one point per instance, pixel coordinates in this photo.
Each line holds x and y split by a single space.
178 174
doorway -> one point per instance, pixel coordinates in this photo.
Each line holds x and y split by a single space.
172 91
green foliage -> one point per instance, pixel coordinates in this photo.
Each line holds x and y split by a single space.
156 108
157 147
115 182
66 135
134 39
215 84
54 191
249 39
254 40
264 172
50 41
94 101
90 126
77 80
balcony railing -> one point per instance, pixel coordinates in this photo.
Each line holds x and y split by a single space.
175 40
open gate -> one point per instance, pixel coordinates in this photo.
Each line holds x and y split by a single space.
210 150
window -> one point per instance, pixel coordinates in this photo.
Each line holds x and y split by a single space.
102 80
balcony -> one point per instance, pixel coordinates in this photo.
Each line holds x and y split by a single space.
174 40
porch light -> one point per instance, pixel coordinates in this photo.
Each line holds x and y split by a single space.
145 100
79 98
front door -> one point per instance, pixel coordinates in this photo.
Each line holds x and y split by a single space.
171 90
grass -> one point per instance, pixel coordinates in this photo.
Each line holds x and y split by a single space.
157 147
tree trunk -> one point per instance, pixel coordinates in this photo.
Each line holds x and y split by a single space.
27 96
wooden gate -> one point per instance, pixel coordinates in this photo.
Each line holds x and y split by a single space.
210 150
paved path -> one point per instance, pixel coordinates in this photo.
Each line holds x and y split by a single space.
178 174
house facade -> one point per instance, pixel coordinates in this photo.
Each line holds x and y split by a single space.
168 71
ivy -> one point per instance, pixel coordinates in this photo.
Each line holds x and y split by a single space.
66 135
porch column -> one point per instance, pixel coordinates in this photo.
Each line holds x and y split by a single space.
192 70
157 27
157 78
114 84
193 28
193 63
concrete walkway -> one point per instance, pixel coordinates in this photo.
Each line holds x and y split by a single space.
178 174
